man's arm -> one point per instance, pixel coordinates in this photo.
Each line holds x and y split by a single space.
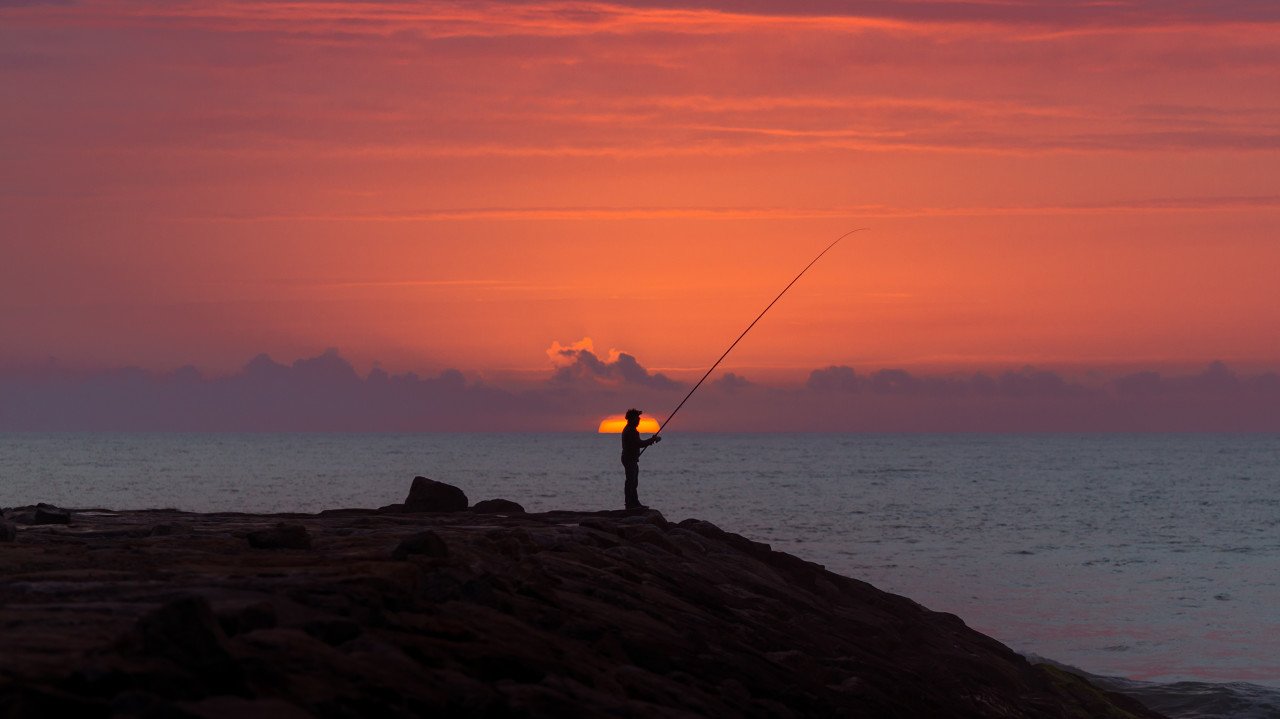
652 440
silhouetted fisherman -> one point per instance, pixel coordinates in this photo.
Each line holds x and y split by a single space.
631 446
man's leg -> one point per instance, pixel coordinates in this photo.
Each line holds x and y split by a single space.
633 481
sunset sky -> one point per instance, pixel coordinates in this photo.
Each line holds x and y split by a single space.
1071 185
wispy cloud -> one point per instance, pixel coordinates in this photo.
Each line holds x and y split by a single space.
558 18
340 284
440 20
684 96
559 214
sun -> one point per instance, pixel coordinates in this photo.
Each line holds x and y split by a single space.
614 423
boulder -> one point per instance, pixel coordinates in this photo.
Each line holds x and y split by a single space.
8 532
428 544
333 631
281 536
21 515
49 514
184 630
428 495
185 633
247 618
497 506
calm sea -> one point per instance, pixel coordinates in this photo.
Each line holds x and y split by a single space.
1151 558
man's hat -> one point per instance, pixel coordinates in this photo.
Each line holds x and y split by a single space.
633 413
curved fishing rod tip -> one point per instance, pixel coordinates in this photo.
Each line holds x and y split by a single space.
850 232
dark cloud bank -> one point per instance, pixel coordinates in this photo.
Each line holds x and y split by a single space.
325 393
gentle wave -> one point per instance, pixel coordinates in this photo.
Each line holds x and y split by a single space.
1190 700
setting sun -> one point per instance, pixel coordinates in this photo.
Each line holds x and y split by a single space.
614 423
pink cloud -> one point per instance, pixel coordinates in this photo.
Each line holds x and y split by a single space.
578 365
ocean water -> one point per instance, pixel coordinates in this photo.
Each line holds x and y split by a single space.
1153 560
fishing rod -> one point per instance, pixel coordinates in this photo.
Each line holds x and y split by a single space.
664 424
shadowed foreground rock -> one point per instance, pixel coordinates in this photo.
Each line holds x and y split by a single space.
162 613
281 536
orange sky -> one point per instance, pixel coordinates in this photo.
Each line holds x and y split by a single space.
463 184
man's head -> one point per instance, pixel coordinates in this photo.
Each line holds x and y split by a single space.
633 417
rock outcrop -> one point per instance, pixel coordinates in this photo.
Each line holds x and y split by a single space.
497 506
530 615
38 514
49 514
428 495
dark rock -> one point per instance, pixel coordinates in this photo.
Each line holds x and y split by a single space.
49 514
428 495
648 534
179 651
427 544
1080 689
647 516
739 542
528 615
332 631
231 706
184 631
8 532
497 506
21 516
247 618
349 512
281 536
26 702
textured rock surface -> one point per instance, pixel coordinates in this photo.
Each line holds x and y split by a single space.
498 506
161 613
428 495
426 544
281 536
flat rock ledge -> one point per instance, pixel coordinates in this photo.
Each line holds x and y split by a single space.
362 613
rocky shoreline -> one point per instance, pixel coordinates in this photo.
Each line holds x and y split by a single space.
436 607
